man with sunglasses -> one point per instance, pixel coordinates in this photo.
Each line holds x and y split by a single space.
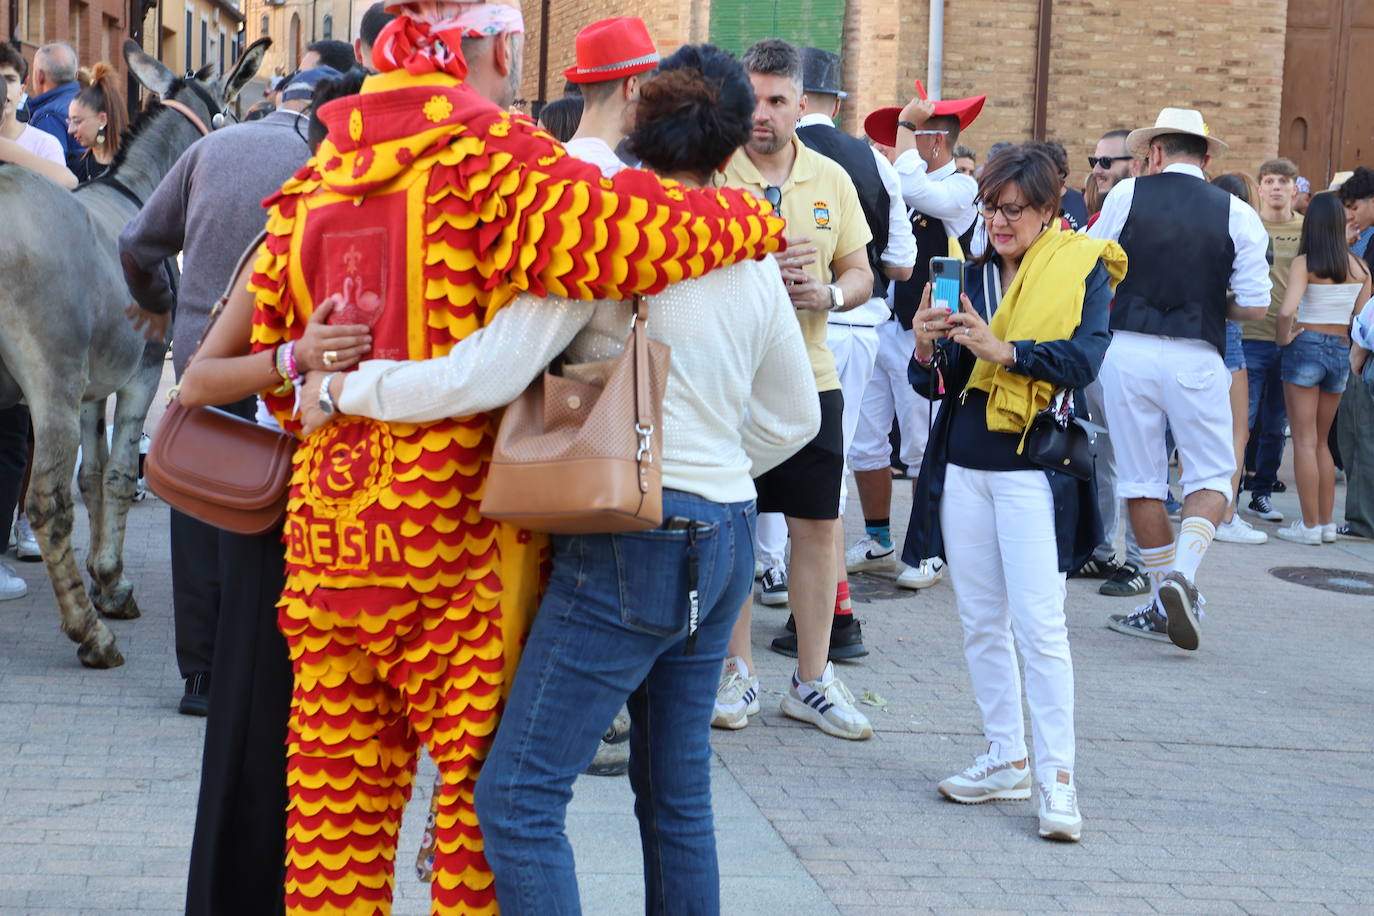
940 205
826 270
1111 161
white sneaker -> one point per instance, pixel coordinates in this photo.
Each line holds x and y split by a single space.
25 544
11 586
1239 531
923 575
737 695
869 554
1329 533
827 704
1299 533
1059 817
986 780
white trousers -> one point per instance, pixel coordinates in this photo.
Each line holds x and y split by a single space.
890 395
999 536
855 349
1151 382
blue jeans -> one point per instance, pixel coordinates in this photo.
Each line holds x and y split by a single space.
614 624
1267 407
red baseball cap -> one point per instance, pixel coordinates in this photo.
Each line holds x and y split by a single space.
613 49
881 125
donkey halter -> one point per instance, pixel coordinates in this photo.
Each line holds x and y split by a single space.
218 117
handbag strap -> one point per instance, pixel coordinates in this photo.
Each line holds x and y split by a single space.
644 418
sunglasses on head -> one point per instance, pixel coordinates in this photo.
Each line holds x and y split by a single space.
1106 161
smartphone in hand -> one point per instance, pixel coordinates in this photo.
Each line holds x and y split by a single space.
947 279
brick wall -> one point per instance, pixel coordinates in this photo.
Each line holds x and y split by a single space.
1109 65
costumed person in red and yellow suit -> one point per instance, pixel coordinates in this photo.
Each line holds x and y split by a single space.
427 210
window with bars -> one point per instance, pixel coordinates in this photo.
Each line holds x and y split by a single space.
737 24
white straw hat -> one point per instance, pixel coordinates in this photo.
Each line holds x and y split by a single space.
1174 121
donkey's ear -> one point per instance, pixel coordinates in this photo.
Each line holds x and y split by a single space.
148 69
247 67
203 73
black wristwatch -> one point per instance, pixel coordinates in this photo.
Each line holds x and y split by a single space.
908 125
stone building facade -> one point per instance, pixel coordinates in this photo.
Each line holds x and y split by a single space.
1108 63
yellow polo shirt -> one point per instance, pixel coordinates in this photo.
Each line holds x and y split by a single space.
819 202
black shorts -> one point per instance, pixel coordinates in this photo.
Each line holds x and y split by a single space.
807 485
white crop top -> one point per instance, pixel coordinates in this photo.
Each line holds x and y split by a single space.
1328 303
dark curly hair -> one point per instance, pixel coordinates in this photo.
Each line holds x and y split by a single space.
327 90
1358 186
694 112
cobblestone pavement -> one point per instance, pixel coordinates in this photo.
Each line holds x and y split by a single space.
1233 779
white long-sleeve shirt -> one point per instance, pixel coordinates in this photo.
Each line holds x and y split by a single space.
901 243
944 193
1249 270
740 397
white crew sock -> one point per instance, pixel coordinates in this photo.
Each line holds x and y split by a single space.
1193 540
1157 561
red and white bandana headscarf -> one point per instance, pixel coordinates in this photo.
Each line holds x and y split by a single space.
426 37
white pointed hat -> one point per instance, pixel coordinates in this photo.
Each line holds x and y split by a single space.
1174 121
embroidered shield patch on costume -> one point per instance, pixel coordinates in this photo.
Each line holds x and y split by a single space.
355 272
821 210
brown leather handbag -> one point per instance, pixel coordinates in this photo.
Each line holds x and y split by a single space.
576 455
219 468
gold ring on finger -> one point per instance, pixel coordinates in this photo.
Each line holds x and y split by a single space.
330 358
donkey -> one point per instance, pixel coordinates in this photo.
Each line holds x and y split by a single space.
66 344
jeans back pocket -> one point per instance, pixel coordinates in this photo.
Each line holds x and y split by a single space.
655 581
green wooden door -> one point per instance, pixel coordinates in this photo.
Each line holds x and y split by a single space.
737 24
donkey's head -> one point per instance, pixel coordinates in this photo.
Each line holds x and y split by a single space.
207 96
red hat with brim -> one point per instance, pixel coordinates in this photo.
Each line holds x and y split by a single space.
881 125
613 49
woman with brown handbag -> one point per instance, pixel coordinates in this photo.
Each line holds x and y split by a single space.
642 615
240 835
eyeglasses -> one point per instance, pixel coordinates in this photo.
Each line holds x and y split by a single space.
929 133
1011 211
773 194
1106 161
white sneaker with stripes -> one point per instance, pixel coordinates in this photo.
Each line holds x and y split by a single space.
827 704
737 695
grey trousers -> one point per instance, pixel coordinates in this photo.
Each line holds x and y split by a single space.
1114 516
1355 438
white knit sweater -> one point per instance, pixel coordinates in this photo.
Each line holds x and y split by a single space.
740 397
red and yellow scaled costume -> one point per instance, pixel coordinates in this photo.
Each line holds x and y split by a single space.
426 211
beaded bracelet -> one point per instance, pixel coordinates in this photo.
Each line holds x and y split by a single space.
284 361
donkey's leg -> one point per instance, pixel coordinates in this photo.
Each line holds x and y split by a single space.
94 456
114 593
56 430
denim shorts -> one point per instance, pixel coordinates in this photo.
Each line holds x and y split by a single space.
1234 357
1316 360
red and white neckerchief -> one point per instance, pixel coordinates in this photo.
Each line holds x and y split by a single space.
421 46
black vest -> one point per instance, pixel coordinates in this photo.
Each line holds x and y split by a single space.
1178 241
932 241
856 158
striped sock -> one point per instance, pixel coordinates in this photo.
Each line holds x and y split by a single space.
1157 562
1194 537
843 606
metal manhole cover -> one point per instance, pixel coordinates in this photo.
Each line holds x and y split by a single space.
1346 581
868 587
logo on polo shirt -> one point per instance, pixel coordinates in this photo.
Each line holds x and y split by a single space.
821 210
